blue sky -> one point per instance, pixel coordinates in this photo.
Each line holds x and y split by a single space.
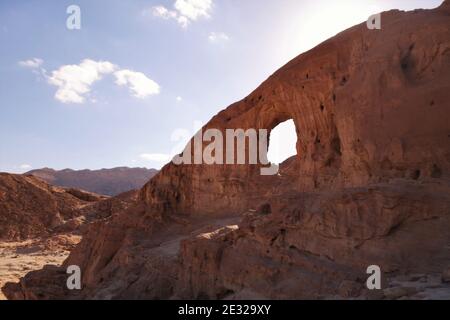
151 68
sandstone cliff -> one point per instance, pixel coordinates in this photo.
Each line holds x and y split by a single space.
370 185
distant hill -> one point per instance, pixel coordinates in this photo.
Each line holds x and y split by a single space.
29 207
109 182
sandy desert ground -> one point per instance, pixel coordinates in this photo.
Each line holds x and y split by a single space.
19 258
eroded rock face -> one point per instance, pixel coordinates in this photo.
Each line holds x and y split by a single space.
312 245
369 186
30 208
40 224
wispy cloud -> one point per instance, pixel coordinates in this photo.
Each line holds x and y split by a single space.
163 12
139 84
218 37
25 167
33 63
156 157
184 11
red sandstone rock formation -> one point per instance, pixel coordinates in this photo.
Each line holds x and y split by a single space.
40 223
370 185
30 208
109 182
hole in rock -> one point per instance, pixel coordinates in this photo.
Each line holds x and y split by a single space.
282 142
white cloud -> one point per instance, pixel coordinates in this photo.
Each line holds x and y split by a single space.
74 81
185 11
33 63
216 37
156 157
179 99
140 85
194 9
163 12
25 167
183 21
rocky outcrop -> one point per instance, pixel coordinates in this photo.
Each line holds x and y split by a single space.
40 224
311 245
370 185
109 182
30 208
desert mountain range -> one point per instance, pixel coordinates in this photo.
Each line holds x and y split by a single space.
109 182
370 185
